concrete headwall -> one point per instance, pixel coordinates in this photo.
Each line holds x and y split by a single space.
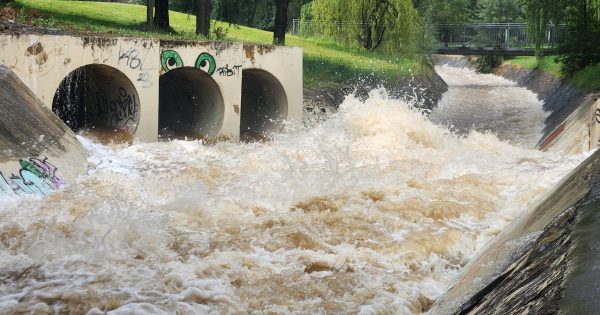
38 152
138 86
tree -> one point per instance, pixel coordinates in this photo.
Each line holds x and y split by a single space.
161 14
281 9
150 15
500 11
203 17
581 47
538 14
370 23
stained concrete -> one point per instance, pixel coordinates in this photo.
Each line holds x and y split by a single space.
115 83
38 152
544 263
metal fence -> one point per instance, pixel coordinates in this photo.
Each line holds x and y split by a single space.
501 35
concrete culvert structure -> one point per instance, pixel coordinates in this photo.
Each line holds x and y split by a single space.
190 105
98 97
264 105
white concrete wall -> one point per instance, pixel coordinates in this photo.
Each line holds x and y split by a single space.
43 61
284 63
227 73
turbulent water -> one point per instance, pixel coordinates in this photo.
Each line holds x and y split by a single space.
374 211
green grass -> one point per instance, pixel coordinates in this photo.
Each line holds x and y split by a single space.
547 64
326 63
588 78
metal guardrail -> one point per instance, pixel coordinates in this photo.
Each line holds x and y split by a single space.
500 35
475 35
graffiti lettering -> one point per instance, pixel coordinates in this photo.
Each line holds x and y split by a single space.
597 115
36 176
120 112
144 77
229 72
131 58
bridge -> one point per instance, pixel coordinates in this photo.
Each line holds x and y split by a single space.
504 39
150 88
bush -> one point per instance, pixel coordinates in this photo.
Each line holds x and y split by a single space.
487 63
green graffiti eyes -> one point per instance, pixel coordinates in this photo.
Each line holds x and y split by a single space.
207 63
170 60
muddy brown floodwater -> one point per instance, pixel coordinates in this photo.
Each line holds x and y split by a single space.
373 212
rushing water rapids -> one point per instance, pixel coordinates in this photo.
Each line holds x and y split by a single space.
374 211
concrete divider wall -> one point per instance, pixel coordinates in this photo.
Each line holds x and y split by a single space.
42 62
118 81
38 152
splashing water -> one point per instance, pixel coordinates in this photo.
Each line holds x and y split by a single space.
373 212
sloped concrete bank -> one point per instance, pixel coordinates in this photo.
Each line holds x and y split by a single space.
38 152
574 114
545 262
570 126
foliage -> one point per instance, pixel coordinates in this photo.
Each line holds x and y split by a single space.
487 63
368 23
447 11
581 46
500 11
588 78
538 13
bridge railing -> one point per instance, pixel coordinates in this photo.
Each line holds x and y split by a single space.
500 35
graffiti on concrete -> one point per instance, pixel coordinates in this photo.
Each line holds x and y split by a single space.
206 62
120 111
135 61
37 176
229 72
597 115
171 59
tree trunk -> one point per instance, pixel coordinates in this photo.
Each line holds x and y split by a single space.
203 17
280 22
161 14
150 15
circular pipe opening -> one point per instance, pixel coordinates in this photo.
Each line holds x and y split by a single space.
190 105
98 97
264 105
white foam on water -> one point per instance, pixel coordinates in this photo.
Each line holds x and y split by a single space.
374 212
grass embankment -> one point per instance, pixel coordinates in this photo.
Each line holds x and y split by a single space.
326 64
588 78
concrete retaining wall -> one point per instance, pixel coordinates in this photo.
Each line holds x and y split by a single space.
38 152
572 120
119 84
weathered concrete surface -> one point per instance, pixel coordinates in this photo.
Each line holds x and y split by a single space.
572 125
119 83
544 263
38 152
44 61
572 110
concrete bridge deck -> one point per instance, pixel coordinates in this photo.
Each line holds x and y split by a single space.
148 87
